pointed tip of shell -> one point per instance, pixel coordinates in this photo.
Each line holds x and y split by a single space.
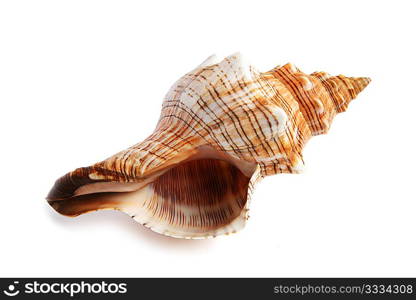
359 83
345 89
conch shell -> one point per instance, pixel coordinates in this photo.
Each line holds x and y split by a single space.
223 127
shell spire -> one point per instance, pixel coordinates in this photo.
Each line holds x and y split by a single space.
342 89
223 127
319 95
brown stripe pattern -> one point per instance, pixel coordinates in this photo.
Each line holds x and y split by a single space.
255 124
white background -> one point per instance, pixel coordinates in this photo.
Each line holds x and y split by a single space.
81 80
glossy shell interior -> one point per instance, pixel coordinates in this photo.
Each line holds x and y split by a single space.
222 128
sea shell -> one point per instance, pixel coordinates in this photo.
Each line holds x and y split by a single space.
223 127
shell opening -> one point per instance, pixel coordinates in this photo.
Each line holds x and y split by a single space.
205 195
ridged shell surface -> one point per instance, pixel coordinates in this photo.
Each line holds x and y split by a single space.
223 126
